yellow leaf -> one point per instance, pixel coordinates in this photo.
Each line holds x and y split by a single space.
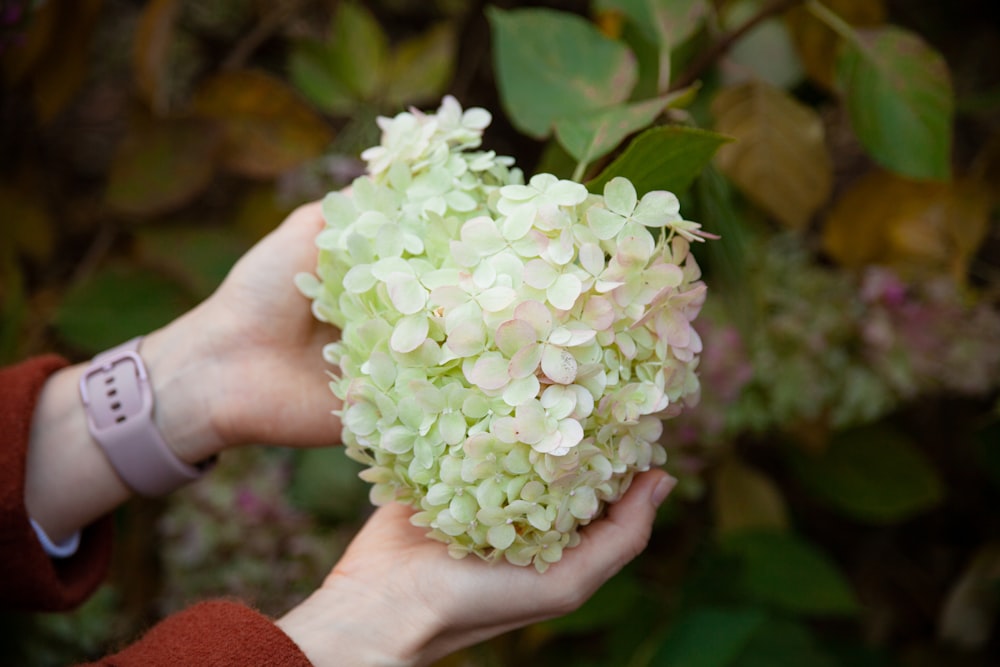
817 44
267 128
779 159
915 227
150 47
743 498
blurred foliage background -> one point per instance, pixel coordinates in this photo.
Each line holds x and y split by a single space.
840 477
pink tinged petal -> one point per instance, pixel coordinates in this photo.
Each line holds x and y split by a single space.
564 292
531 245
359 279
481 233
449 296
558 364
604 223
505 429
406 293
502 536
550 444
583 503
525 361
620 195
521 390
539 274
537 315
518 222
467 339
410 332
530 422
514 335
598 313
496 299
489 372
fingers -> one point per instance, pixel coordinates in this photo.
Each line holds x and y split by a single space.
610 543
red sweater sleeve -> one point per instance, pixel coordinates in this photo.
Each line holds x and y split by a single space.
31 580
218 633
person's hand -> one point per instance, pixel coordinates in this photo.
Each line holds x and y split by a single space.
246 365
397 597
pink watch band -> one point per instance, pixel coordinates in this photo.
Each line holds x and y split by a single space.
118 399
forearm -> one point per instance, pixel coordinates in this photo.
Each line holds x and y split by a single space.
70 482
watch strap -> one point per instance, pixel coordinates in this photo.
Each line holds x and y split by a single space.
118 400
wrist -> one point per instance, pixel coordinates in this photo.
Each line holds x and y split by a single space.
346 623
184 374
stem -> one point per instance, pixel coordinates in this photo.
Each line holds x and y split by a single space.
724 43
581 167
832 20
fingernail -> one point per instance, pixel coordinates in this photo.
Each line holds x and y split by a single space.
663 489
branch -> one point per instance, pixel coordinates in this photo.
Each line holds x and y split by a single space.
726 41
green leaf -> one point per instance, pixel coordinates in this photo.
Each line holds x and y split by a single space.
783 570
311 71
665 23
612 601
199 257
594 135
899 96
161 165
872 474
118 303
359 49
551 65
669 157
421 67
325 483
782 642
708 637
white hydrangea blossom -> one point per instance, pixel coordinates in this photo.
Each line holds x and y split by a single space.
508 349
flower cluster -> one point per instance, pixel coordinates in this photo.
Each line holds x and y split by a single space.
508 349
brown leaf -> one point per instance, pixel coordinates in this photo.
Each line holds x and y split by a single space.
780 159
817 44
22 55
161 165
267 128
62 69
150 48
916 227
970 610
743 498
27 226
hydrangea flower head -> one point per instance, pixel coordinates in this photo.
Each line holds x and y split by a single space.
508 349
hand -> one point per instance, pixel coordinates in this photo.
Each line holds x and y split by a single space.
251 355
397 597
